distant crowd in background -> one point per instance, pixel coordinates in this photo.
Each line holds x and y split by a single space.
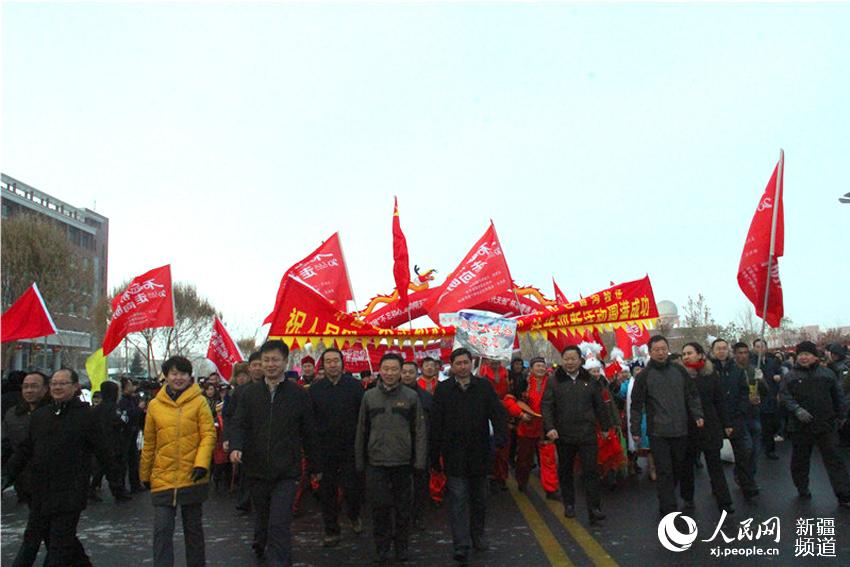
413 435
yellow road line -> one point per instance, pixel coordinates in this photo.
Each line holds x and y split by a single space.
545 538
587 542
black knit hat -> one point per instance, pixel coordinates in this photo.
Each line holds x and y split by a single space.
807 346
837 349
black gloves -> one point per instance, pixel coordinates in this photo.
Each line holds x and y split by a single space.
198 473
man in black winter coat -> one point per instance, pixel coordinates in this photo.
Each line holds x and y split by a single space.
571 407
113 427
816 404
736 393
272 425
16 423
336 406
464 407
62 438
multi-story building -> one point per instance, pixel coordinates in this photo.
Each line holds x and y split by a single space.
88 233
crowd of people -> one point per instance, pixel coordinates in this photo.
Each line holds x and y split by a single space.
411 435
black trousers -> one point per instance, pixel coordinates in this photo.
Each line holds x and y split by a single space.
742 448
467 510
272 500
193 535
671 458
339 473
59 533
719 487
131 459
836 469
769 428
421 493
588 453
390 492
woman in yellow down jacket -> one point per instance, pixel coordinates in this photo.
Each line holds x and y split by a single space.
179 441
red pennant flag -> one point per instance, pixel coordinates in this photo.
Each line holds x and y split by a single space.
482 274
753 269
401 260
222 351
27 318
629 336
323 269
147 303
560 298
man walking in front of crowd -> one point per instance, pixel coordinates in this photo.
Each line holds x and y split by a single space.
464 407
671 400
817 407
420 476
391 442
736 394
756 392
58 448
272 426
336 406
16 423
179 440
571 407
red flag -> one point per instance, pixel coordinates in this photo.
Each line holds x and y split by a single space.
752 271
27 318
629 336
147 303
482 274
222 351
613 369
560 298
401 260
323 269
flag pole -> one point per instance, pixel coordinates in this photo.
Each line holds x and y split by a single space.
776 197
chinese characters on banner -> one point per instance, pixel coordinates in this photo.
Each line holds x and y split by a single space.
324 270
752 270
488 337
222 350
357 357
145 304
482 274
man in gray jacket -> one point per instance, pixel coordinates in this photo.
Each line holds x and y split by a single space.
671 400
391 441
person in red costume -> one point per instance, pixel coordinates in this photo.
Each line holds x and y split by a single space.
530 432
498 377
430 374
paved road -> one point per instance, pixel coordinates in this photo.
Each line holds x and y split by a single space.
524 529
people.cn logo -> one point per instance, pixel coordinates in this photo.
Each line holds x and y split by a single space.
767 203
670 536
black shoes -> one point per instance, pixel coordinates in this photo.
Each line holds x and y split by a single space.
569 510
596 516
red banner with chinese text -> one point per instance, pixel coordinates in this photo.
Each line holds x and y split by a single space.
323 269
630 336
482 274
357 357
147 303
222 350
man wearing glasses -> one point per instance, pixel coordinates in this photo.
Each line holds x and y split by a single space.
58 448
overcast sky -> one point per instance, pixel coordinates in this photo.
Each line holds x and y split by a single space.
605 141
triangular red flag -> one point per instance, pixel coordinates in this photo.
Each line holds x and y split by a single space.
27 318
482 274
752 270
324 270
401 260
560 298
629 336
222 350
147 303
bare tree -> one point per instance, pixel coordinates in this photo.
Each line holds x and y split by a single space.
697 313
37 250
246 346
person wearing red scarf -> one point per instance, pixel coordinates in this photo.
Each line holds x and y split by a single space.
709 438
530 433
498 377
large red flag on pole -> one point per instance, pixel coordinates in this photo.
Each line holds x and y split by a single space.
324 270
401 260
482 274
222 350
758 271
27 318
147 303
